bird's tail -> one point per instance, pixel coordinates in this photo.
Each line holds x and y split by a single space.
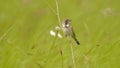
78 43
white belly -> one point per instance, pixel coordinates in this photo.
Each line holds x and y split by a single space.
67 31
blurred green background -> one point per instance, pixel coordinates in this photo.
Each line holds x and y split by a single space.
25 41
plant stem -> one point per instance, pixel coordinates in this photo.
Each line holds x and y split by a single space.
58 14
73 59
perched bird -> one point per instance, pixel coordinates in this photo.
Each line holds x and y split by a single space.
68 30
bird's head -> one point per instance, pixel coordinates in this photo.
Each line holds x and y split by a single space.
66 23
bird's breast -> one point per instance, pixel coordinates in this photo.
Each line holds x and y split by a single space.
67 31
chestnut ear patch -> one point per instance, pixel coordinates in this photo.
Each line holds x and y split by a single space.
67 25
63 25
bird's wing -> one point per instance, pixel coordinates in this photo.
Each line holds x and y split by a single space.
73 32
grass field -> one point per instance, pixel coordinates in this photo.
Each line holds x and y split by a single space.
25 40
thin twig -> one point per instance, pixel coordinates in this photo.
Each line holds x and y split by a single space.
73 59
50 7
58 14
6 32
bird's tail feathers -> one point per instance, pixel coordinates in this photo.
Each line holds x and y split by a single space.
78 43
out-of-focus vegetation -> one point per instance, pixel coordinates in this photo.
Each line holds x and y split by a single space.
25 41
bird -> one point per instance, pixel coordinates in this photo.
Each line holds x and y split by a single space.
68 30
